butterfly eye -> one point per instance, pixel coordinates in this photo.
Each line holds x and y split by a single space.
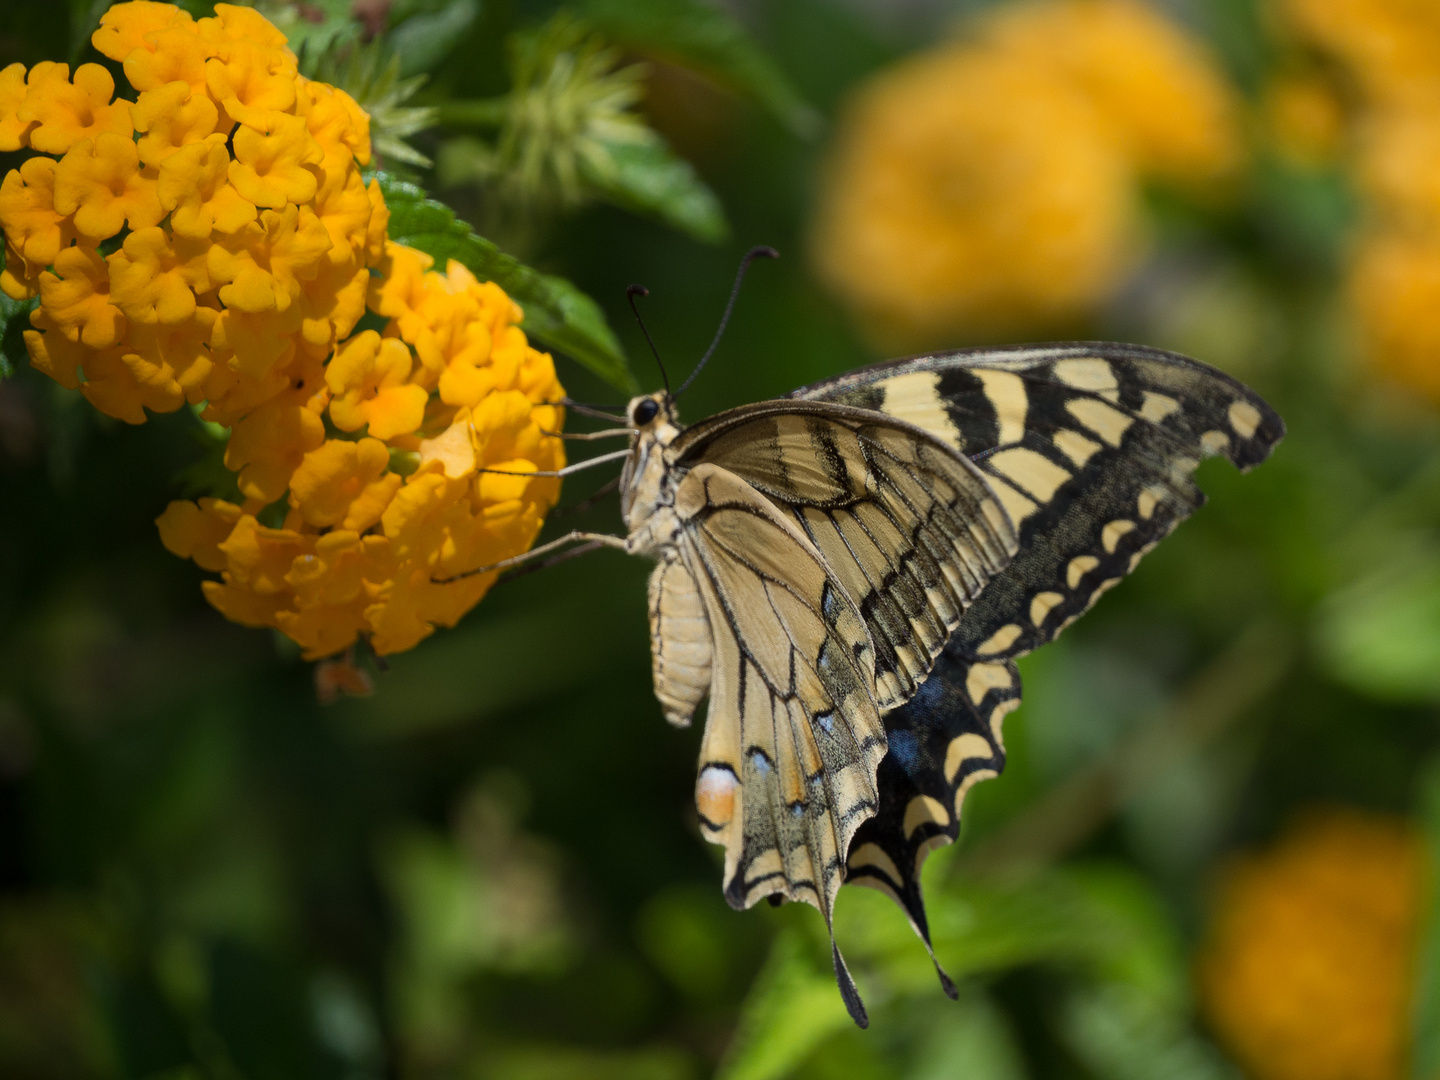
645 411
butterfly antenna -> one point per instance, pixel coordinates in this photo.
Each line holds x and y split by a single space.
760 252
630 294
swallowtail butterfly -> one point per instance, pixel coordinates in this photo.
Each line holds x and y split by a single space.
849 574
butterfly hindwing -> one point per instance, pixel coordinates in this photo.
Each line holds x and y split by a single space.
942 742
793 735
1091 448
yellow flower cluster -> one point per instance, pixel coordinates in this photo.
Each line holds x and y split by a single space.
992 183
251 248
1388 52
1307 971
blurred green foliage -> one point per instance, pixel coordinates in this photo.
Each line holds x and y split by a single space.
491 868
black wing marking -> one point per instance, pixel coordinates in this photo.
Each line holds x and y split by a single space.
1092 449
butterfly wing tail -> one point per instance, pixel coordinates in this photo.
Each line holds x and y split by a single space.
942 742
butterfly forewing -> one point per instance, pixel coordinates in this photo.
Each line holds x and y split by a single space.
1091 449
909 528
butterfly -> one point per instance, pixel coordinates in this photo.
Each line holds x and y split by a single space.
849 573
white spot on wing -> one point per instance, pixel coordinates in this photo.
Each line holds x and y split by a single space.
915 398
1089 373
873 855
1214 442
923 809
1111 534
1075 446
1006 393
1158 406
964 748
1109 423
999 641
1042 605
1078 568
1032 471
1244 418
986 677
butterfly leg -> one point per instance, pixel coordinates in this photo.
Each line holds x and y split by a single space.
576 537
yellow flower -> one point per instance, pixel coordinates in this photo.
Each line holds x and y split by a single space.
76 297
64 112
269 169
367 379
194 187
1395 289
263 263
344 483
153 279
170 117
1155 87
173 53
269 444
253 83
124 384
244 271
99 183
991 185
196 531
1391 47
343 206
178 353
1304 118
33 228
259 558
337 124
53 353
14 132
973 192
1307 971
127 27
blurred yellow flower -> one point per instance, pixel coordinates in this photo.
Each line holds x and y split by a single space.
1304 118
992 183
1154 86
247 264
1388 53
1306 974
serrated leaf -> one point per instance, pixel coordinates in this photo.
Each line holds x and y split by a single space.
645 177
706 37
556 312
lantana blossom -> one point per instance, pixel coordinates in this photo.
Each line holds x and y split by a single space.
252 246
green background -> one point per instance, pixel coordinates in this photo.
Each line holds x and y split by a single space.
492 869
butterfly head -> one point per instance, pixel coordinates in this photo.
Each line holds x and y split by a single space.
652 413
652 419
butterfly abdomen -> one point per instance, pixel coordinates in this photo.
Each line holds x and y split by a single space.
680 649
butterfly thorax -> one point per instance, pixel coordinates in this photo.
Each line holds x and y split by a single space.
647 483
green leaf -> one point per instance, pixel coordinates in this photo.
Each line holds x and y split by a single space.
1381 633
1121 1034
311 37
705 37
790 1011
645 177
556 312
426 38
1425 1028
